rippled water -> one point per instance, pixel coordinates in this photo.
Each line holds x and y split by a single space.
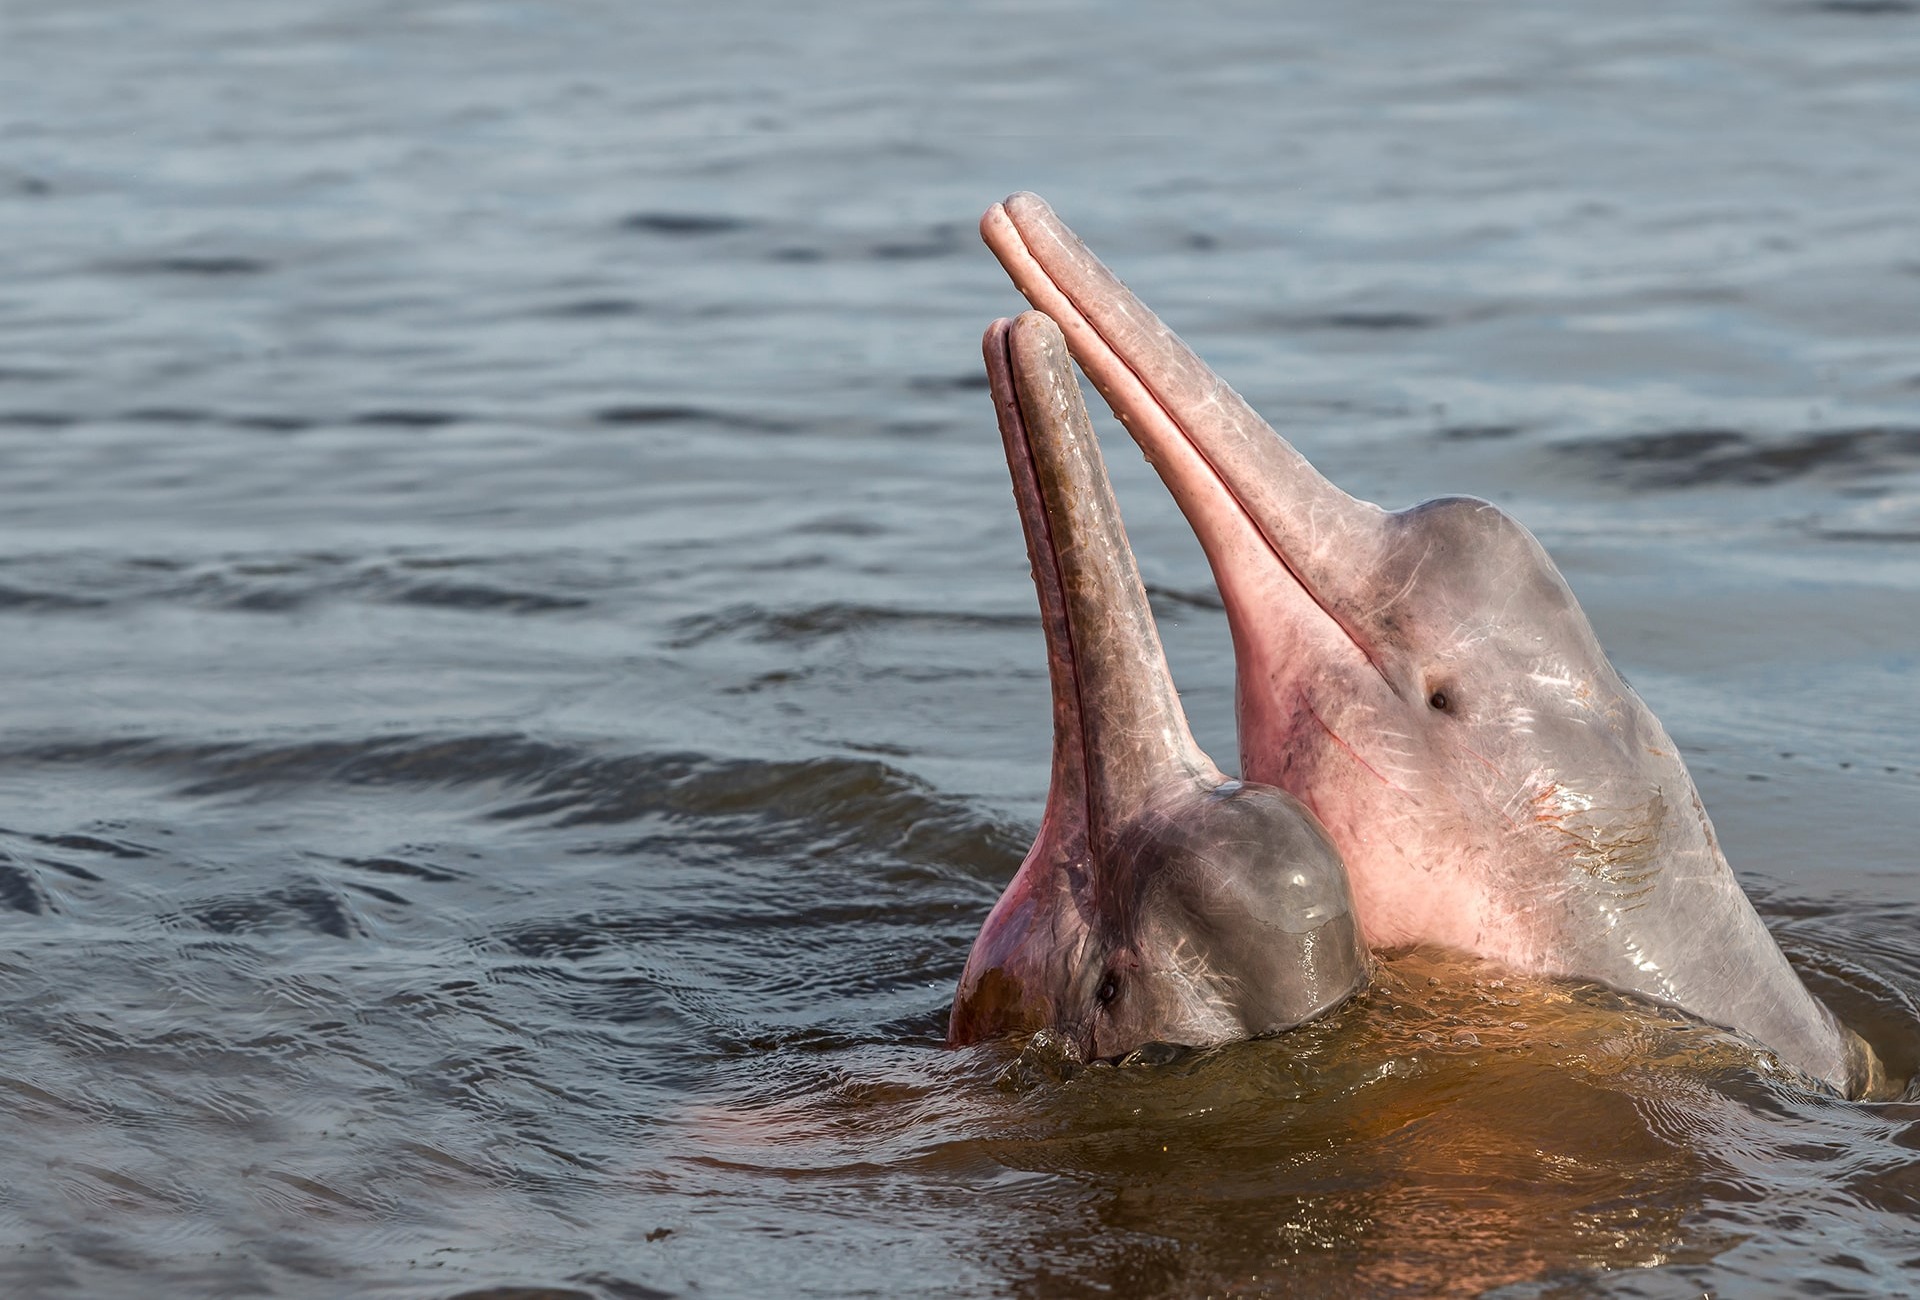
520 681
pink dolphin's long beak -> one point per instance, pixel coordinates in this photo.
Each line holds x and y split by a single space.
1119 731
1256 504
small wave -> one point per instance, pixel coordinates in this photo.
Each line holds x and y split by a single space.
473 596
280 584
28 855
220 768
169 415
18 598
311 907
25 856
399 418
602 1286
684 225
1481 432
1897 535
1686 458
593 309
235 588
930 244
20 889
1866 8
831 804
819 622
1207 598
972 382
270 423
1859 959
841 525
93 844
403 867
675 413
1373 320
940 241
203 264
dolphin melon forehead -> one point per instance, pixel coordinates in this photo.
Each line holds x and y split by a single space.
1254 854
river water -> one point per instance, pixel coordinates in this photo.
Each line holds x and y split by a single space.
520 681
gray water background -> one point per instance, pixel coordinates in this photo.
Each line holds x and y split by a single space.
518 680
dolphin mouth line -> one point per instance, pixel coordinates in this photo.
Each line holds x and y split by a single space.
1031 263
1031 499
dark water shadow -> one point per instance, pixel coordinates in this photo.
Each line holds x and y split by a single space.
1691 458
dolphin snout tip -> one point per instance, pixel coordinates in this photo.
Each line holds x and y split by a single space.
1040 329
1040 356
992 221
1021 205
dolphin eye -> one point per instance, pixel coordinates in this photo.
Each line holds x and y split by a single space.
1109 990
1440 701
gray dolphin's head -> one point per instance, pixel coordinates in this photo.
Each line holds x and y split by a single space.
1161 901
1425 681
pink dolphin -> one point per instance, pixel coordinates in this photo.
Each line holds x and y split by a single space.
1161 902
1425 682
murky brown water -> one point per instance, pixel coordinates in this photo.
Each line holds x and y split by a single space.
520 680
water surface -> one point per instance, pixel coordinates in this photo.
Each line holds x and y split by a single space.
520 681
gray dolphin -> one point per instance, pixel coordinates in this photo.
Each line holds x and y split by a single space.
1425 681
1161 901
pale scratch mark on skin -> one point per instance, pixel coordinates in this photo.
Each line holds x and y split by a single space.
1207 997
1406 588
1522 796
1487 794
1398 759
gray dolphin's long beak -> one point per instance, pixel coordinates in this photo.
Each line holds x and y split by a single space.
1248 494
1119 730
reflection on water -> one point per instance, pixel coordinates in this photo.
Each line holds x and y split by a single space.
1450 1131
1456 1129
520 681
